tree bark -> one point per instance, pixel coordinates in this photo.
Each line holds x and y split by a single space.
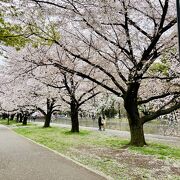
20 117
25 120
137 135
4 116
12 116
17 117
135 123
119 111
47 120
48 114
74 117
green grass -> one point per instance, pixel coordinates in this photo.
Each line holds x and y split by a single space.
160 150
92 149
13 123
5 122
62 139
55 138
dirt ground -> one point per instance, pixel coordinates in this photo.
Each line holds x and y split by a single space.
123 164
133 166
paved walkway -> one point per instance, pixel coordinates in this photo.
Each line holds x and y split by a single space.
21 159
170 140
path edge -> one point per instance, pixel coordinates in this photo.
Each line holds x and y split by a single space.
64 156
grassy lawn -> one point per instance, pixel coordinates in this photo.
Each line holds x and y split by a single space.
13 123
110 154
5 122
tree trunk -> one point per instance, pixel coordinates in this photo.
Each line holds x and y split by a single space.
47 120
48 114
17 117
119 111
12 116
4 116
137 135
20 117
135 124
25 120
74 117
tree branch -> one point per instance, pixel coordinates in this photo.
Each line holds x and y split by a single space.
87 77
88 98
160 113
157 97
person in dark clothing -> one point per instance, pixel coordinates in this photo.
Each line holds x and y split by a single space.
100 122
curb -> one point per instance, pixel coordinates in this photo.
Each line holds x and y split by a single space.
66 157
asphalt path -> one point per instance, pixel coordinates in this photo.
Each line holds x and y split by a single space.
21 159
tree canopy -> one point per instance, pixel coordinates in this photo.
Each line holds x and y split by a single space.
127 47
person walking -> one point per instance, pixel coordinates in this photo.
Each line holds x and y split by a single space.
100 123
103 123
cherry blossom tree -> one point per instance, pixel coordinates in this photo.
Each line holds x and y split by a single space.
13 100
74 91
114 44
120 40
77 93
45 99
24 92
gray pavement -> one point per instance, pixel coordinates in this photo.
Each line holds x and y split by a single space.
21 159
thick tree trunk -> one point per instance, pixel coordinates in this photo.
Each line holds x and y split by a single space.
48 114
135 124
137 135
47 120
74 118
